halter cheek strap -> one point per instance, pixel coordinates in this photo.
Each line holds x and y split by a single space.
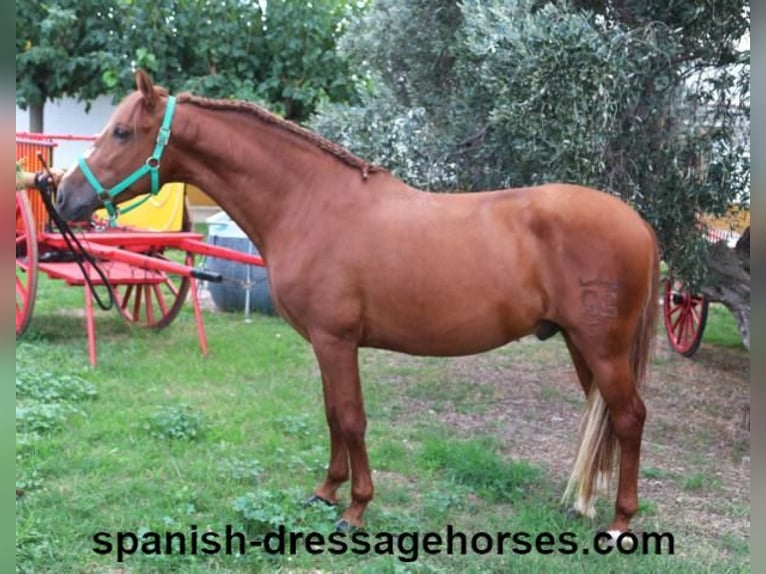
151 167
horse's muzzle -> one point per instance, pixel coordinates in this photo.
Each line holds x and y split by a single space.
75 203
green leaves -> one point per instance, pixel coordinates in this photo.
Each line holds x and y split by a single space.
176 422
61 49
649 102
267 510
284 56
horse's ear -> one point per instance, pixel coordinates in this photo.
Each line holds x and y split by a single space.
146 87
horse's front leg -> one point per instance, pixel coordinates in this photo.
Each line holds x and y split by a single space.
345 416
337 469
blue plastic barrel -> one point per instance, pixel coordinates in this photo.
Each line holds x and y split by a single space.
231 294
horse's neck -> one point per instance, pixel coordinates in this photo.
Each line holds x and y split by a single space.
261 175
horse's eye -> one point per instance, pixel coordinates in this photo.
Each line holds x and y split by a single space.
121 133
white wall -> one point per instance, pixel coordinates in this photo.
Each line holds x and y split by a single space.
68 117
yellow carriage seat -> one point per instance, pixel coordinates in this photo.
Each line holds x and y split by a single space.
164 212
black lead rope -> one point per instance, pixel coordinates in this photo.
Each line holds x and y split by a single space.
79 253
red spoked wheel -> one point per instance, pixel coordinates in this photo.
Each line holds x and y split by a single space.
685 317
155 302
26 262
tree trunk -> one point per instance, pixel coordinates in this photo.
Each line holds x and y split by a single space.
36 118
730 281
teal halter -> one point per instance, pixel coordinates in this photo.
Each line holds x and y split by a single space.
150 167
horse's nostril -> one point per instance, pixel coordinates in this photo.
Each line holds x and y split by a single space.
60 203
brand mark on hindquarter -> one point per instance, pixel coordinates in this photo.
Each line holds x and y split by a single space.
599 298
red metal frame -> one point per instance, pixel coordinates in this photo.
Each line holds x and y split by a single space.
130 258
126 263
35 137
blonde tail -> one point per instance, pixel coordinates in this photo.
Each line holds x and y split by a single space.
597 455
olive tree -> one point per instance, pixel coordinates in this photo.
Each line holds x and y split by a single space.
646 100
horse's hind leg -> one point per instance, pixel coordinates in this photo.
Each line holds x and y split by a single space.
615 381
337 360
584 374
613 423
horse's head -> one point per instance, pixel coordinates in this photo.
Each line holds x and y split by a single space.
124 161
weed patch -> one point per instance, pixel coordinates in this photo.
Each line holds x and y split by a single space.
176 422
241 469
44 401
265 510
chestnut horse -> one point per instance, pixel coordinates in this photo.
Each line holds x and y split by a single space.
357 258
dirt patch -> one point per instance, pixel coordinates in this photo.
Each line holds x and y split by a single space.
695 460
697 441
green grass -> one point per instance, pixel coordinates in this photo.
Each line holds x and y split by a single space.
159 438
721 328
475 464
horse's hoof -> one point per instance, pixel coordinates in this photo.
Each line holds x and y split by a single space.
314 498
626 543
345 526
572 514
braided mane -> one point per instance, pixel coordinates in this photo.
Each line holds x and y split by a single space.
267 117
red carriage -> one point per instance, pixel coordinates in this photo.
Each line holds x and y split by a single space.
150 273
686 312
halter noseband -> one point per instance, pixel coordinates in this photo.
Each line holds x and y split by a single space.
150 167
